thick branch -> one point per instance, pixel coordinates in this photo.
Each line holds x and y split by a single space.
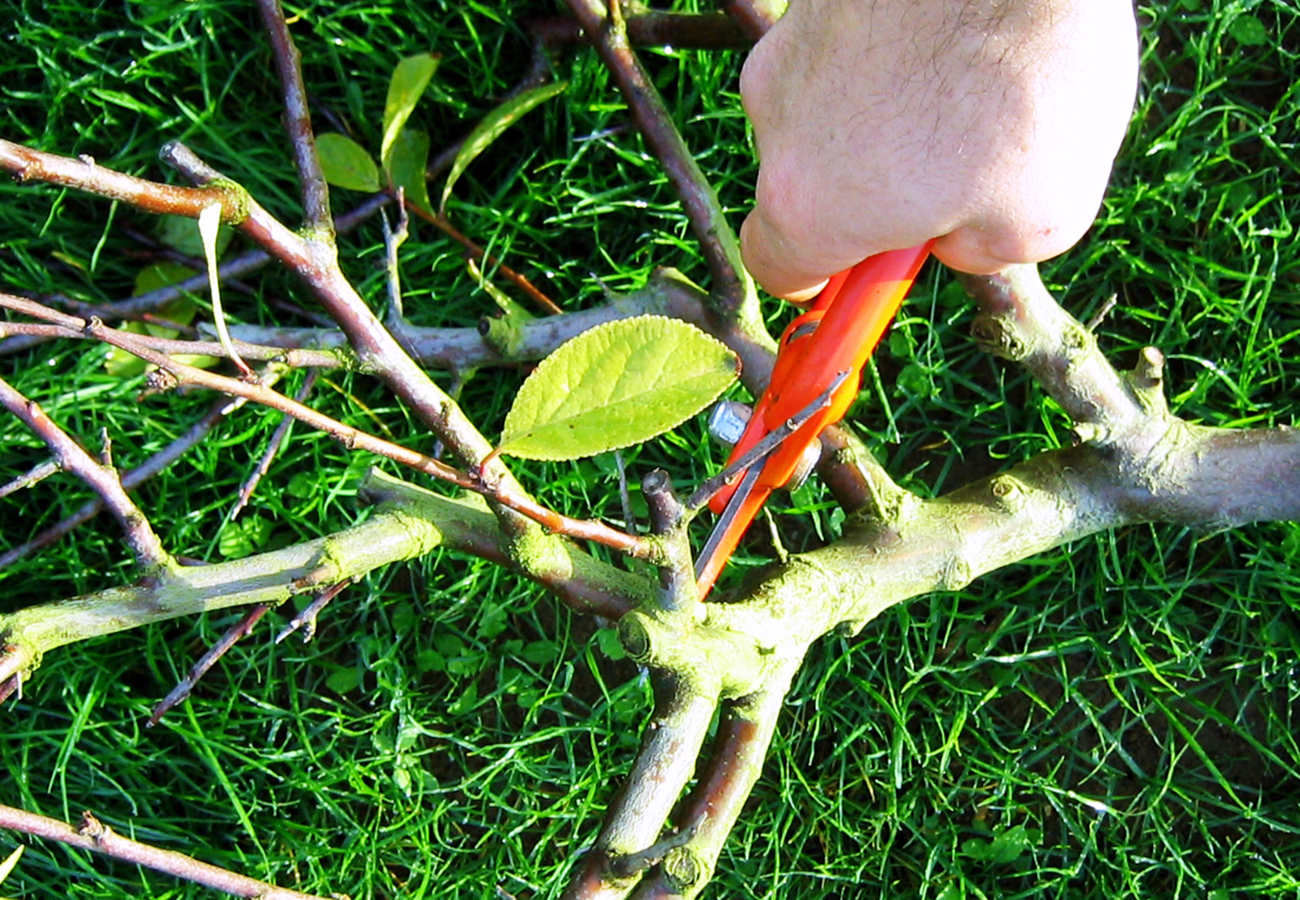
297 122
744 734
1020 321
84 174
755 17
683 711
413 525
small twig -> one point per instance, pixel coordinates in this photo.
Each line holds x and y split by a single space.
478 253
206 662
624 496
505 493
94 835
294 359
130 480
144 543
1106 306
1019 320
297 122
306 620
277 439
138 306
393 240
856 478
677 586
635 863
34 475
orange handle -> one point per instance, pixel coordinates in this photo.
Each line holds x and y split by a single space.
835 337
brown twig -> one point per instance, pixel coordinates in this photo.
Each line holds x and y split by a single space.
272 448
683 713
718 243
305 621
501 492
70 455
479 254
34 475
710 812
297 122
84 174
754 17
656 28
93 834
138 306
130 480
294 359
183 688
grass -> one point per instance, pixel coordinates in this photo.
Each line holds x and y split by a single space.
1113 718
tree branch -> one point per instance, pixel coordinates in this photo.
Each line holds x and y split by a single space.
411 523
297 122
732 285
70 455
84 174
95 835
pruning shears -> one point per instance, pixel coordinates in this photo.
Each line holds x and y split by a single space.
818 369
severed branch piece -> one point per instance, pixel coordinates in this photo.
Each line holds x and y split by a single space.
206 662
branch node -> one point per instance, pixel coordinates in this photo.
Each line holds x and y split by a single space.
666 510
93 828
684 870
1147 381
993 336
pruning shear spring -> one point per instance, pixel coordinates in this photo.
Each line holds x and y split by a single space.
815 379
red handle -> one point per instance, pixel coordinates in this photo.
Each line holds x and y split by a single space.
835 337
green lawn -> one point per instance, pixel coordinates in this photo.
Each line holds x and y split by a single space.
1114 718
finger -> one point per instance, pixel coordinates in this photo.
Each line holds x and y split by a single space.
776 266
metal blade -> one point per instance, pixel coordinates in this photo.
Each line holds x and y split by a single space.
728 515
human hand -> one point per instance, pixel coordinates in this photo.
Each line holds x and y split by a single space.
991 125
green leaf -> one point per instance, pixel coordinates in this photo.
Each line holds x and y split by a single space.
610 645
341 681
346 164
1249 31
1005 848
239 539
179 233
492 126
165 274
121 363
407 85
405 167
621 383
